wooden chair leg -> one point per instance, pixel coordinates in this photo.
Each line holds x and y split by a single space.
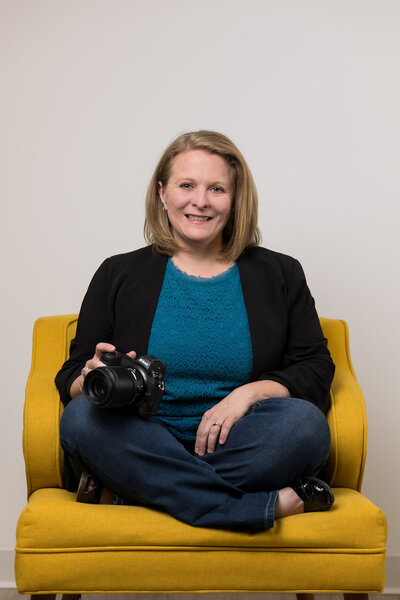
53 597
305 596
355 596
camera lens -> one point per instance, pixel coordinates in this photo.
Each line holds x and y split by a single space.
98 385
112 386
99 389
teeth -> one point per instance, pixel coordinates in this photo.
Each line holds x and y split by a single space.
194 218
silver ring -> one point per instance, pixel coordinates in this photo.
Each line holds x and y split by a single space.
83 372
217 424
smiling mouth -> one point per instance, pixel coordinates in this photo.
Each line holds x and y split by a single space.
197 218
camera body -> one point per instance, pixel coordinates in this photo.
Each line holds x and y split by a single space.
124 381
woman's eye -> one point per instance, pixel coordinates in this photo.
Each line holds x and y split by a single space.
217 189
185 186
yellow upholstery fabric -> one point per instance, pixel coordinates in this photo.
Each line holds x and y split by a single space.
64 546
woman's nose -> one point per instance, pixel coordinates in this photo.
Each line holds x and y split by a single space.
200 198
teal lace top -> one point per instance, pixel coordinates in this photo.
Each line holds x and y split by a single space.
201 331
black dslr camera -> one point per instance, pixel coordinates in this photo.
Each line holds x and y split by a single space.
125 381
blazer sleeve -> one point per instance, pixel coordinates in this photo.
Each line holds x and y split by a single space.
307 367
94 326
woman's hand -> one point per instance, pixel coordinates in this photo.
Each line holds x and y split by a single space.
93 363
218 421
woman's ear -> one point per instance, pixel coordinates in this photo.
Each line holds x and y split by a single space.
161 193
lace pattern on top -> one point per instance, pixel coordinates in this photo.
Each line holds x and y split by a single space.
201 331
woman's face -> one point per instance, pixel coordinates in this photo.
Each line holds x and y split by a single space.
198 198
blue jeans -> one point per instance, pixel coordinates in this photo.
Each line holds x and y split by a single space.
235 487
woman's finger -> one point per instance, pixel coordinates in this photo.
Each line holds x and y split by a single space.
213 435
201 443
102 347
208 433
226 429
203 430
95 361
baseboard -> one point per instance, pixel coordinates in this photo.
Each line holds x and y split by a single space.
7 579
392 574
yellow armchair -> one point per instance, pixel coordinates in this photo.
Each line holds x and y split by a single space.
72 548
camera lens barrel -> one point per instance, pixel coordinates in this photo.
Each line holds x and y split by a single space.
113 386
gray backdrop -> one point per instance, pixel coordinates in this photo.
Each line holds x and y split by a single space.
92 92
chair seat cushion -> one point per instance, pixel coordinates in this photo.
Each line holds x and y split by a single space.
67 547
52 519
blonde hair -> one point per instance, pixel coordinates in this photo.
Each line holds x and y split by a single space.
241 230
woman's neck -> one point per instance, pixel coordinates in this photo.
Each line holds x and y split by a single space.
200 265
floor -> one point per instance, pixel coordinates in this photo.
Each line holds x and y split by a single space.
13 595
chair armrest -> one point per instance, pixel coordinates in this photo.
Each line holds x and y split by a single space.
347 417
43 409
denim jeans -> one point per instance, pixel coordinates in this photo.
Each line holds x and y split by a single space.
235 487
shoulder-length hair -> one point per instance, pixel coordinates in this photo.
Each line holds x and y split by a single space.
241 230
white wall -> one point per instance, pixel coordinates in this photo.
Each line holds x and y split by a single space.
92 92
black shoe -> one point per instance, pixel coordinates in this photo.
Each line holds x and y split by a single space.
88 496
316 494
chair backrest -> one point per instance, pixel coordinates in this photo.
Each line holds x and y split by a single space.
51 341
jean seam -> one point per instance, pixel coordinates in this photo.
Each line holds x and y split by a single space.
266 514
269 514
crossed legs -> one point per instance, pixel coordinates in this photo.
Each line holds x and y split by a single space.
235 487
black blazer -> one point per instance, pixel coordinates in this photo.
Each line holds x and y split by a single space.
287 340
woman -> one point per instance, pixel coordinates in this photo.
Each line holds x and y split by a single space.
241 431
